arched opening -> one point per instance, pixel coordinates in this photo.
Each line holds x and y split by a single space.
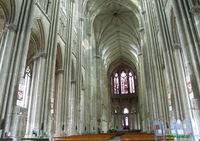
124 97
2 28
2 22
117 41
125 120
25 82
30 93
123 81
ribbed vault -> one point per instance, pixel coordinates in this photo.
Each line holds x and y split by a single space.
116 24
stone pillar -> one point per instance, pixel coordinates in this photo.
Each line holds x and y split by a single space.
71 111
6 54
82 112
16 64
58 99
188 47
131 121
36 96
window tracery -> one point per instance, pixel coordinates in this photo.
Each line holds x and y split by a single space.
123 82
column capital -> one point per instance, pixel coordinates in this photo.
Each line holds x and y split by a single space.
89 34
141 29
60 71
81 19
40 54
73 81
139 54
98 56
177 46
143 12
195 9
11 26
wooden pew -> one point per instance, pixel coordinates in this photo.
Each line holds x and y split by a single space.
34 139
87 137
144 137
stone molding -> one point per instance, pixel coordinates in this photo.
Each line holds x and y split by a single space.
177 46
195 9
73 81
141 29
11 26
40 54
60 71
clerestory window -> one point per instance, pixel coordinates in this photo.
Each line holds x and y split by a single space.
123 82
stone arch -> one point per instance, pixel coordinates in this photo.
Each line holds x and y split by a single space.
59 60
82 80
7 15
35 61
73 70
37 42
9 8
174 29
2 21
38 34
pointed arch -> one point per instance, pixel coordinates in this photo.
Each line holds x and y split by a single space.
59 56
174 29
38 34
72 70
123 80
2 21
9 8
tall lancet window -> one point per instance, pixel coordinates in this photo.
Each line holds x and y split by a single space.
23 89
123 81
131 83
116 83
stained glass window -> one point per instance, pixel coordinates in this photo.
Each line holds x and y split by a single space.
123 81
131 83
116 84
23 89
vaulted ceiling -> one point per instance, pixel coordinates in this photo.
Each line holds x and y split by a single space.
116 29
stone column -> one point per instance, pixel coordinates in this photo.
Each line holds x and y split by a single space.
6 54
67 64
82 112
188 45
18 52
71 111
58 100
191 63
131 121
48 93
36 96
